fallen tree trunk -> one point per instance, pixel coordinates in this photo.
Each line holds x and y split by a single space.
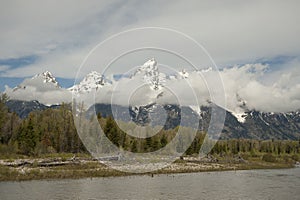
39 162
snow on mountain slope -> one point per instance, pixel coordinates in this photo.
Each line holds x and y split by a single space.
47 77
196 109
92 81
240 116
42 87
148 84
40 81
240 110
184 74
150 73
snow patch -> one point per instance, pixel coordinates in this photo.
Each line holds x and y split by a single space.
47 77
263 120
196 109
240 116
184 74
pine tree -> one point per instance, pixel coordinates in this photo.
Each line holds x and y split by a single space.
163 140
134 147
27 138
3 116
148 145
111 131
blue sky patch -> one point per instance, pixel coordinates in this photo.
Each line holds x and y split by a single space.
19 62
11 82
65 82
276 61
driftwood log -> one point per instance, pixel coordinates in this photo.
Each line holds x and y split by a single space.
40 162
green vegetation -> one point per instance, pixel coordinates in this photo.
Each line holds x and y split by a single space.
42 132
52 134
53 131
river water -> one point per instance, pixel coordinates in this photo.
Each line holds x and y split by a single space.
251 184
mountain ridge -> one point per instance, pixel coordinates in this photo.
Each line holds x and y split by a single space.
239 122
257 125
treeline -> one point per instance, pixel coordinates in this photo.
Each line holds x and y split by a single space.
133 144
53 131
163 137
48 131
235 146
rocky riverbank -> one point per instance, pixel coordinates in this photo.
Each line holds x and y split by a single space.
82 167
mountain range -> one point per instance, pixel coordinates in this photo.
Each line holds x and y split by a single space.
144 98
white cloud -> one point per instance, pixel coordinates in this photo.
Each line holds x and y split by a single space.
51 97
62 34
241 84
280 96
38 88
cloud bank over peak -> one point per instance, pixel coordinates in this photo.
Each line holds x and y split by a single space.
248 83
42 87
246 87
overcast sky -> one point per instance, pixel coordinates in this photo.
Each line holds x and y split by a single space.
56 36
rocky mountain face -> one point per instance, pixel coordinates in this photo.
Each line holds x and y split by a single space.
243 123
42 87
257 125
23 108
92 81
44 80
151 75
47 77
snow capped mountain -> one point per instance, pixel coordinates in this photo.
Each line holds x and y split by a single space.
42 87
47 77
39 81
151 75
147 91
92 81
147 73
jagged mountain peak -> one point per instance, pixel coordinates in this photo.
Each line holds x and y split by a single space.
45 74
150 62
92 81
151 74
148 67
93 77
93 74
42 80
47 77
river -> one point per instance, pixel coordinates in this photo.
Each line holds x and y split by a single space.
251 184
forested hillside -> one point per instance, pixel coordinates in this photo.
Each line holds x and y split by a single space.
53 131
